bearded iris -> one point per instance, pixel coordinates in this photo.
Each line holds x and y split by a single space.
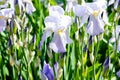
58 24
4 15
47 73
94 12
106 64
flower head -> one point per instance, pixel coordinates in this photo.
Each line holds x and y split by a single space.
106 64
47 72
93 12
58 24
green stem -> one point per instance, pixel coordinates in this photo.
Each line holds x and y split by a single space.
95 57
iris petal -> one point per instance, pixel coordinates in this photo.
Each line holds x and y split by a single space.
58 43
2 24
48 71
95 26
56 11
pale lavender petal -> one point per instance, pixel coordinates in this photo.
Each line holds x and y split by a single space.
95 26
2 24
51 22
67 37
58 43
48 71
7 12
11 2
69 6
56 11
118 73
80 10
3 6
116 4
83 20
30 8
112 39
111 2
46 34
64 22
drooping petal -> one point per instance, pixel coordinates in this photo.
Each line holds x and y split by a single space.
95 26
68 39
56 11
48 71
2 24
46 34
83 20
58 43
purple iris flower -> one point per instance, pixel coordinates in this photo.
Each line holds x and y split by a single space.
47 73
106 64
58 24
118 73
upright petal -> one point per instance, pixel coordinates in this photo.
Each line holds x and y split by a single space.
56 11
80 10
7 12
64 22
51 22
